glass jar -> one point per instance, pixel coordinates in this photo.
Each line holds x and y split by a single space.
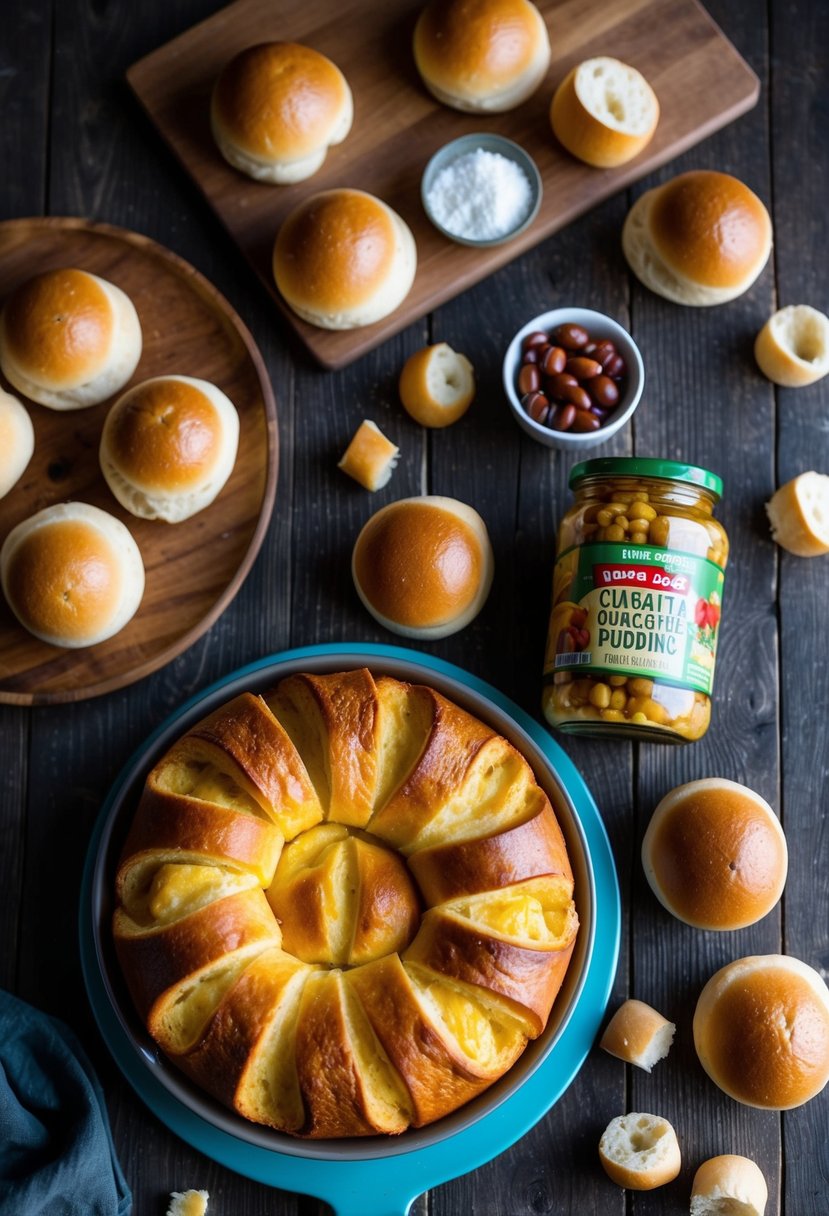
637 598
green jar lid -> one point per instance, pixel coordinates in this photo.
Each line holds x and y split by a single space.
646 466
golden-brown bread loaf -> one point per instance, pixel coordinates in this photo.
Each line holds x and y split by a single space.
69 339
17 441
277 108
604 112
343 258
391 960
481 55
761 1030
701 238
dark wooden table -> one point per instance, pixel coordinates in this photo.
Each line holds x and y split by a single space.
73 142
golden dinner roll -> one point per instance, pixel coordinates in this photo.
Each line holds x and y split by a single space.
17 441
485 55
370 458
701 238
604 112
715 855
799 515
761 1030
343 258
72 574
792 348
277 108
639 1151
729 1185
423 566
168 446
638 1034
437 385
69 339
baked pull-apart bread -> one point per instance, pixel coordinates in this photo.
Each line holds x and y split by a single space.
344 907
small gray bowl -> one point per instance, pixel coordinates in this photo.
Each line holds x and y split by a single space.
451 152
599 326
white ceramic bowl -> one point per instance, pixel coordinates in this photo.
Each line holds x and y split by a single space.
599 327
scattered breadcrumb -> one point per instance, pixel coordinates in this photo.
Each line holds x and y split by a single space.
188 1203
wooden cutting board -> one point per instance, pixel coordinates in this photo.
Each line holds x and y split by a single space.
701 81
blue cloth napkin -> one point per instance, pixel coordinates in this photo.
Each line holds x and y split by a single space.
56 1151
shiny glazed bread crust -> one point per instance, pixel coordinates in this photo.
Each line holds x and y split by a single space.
424 894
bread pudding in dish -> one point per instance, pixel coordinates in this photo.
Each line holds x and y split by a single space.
344 907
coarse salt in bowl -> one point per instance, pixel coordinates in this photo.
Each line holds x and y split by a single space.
599 326
481 190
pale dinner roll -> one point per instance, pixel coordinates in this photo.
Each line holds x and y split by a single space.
72 574
729 1186
437 385
17 441
761 1030
168 446
638 1035
343 258
277 108
69 339
640 1152
792 348
799 515
715 855
370 458
423 566
481 55
604 112
701 238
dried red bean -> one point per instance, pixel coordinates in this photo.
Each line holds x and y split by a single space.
529 378
558 386
530 356
564 418
571 337
537 338
589 349
583 369
554 360
615 367
604 350
603 390
536 405
584 420
578 397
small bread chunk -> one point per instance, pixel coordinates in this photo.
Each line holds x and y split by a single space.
604 112
188 1203
799 515
792 348
638 1035
437 385
370 457
729 1186
640 1152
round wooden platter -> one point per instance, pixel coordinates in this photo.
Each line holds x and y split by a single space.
193 569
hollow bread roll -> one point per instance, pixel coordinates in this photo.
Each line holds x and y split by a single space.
343 259
799 515
481 55
638 1035
604 112
277 108
72 574
729 1185
370 458
17 441
423 566
639 1151
69 339
327 986
715 855
792 348
168 447
761 1031
702 238
437 385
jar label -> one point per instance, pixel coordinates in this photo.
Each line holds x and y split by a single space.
636 610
